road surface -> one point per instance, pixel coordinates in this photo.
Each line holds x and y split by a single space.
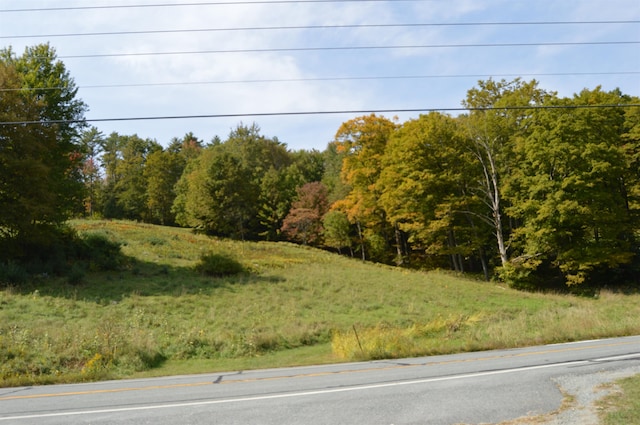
470 388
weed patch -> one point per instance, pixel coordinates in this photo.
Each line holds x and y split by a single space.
384 340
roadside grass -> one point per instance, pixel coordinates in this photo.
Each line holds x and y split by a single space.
287 305
622 407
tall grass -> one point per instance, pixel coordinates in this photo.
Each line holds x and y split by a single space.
159 310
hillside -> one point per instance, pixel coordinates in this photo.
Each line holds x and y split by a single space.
291 305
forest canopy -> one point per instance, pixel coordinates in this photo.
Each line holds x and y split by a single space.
526 186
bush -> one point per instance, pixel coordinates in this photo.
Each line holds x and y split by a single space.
218 265
101 252
76 274
12 273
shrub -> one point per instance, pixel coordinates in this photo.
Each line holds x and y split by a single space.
12 273
218 265
76 275
101 252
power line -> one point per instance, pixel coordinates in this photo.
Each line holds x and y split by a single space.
320 79
216 3
347 48
333 112
315 27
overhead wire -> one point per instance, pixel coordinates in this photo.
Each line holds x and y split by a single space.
303 49
351 48
320 79
214 3
331 112
316 27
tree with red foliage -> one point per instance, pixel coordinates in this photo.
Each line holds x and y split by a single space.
304 222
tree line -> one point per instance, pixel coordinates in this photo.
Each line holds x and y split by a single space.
529 187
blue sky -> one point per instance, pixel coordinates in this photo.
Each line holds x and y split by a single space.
445 73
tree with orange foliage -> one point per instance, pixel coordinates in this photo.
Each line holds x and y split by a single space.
363 141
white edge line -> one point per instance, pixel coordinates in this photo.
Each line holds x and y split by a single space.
621 357
575 342
288 395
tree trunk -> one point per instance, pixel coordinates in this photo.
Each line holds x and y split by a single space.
399 253
364 257
493 193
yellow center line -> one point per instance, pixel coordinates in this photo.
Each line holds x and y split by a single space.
315 374
113 390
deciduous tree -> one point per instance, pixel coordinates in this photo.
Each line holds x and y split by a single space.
498 114
363 141
304 222
570 189
41 160
425 189
221 193
162 171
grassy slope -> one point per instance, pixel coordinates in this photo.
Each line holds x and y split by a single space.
158 316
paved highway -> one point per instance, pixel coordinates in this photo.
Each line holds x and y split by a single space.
481 387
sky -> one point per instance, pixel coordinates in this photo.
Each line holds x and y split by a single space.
228 60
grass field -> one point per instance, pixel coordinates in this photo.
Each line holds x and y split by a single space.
292 306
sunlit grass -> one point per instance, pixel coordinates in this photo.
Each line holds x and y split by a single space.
158 315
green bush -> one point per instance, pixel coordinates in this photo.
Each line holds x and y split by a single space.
218 265
76 275
12 273
101 252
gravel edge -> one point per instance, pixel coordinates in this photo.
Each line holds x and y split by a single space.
586 391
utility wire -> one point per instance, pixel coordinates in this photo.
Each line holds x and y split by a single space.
320 79
316 27
334 112
347 48
216 3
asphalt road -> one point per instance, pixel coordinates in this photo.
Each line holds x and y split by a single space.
481 387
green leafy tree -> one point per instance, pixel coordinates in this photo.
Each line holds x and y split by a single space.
230 206
124 160
131 188
333 157
631 147
222 192
570 190
190 148
41 161
425 192
277 192
46 78
278 189
337 231
25 195
498 114
110 159
91 142
162 171
310 164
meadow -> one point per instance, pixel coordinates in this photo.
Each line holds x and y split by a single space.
158 314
